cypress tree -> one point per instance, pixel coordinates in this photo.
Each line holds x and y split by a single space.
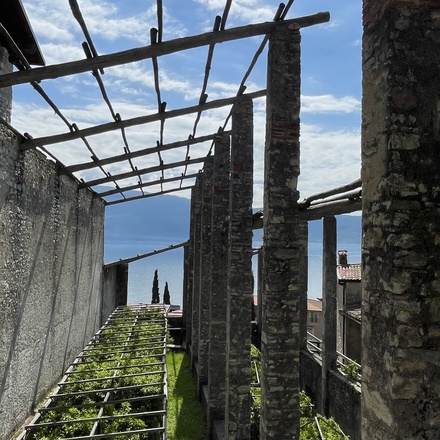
155 290
166 295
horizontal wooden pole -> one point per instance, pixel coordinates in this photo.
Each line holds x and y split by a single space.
154 50
331 208
141 172
148 254
341 189
146 196
111 126
322 210
144 185
140 153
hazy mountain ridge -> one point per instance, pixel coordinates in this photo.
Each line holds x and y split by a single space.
167 218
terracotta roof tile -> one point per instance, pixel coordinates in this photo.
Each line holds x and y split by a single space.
349 272
314 305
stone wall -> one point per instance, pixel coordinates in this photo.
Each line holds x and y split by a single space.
401 220
51 252
345 396
115 288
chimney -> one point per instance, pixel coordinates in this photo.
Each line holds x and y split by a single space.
343 258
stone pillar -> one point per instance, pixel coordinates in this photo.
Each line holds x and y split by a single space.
283 242
304 282
205 273
260 289
5 92
329 287
240 292
185 296
401 220
217 329
197 190
188 309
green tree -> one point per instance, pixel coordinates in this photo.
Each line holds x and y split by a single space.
155 290
166 295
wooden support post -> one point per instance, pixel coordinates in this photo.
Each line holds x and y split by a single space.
329 285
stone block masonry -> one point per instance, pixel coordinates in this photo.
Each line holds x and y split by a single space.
284 242
219 250
240 291
401 220
51 252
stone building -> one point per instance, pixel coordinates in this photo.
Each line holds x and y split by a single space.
314 317
349 300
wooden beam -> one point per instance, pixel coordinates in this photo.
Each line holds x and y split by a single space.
154 50
148 254
146 196
322 210
116 125
140 153
144 185
143 171
341 189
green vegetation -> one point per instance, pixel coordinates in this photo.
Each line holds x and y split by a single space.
351 370
116 385
186 420
310 423
155 299
166 295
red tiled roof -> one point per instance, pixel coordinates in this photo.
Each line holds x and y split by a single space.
349 272
314 305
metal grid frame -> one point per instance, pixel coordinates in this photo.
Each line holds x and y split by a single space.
116 387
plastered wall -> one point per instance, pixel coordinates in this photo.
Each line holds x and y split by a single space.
51 254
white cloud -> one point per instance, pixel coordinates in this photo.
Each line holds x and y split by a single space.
329 104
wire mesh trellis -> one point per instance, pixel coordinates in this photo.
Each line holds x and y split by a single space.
116 387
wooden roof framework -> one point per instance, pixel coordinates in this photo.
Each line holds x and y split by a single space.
96 64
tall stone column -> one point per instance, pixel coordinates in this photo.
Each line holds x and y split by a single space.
5 92
283 241
401 220
205 273
196 271
188 305
239 299
329 286
217 329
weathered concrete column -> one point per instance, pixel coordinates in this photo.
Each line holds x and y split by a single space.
205 274
217 329
329 287
239 299
197 190
401 220
283 241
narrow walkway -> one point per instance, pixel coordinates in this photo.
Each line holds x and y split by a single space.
116 387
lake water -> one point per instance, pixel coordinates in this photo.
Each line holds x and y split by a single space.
170 268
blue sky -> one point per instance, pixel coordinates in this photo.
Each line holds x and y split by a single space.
331 82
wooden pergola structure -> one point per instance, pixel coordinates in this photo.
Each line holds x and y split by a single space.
193 149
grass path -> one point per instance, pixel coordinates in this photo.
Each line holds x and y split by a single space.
185 416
